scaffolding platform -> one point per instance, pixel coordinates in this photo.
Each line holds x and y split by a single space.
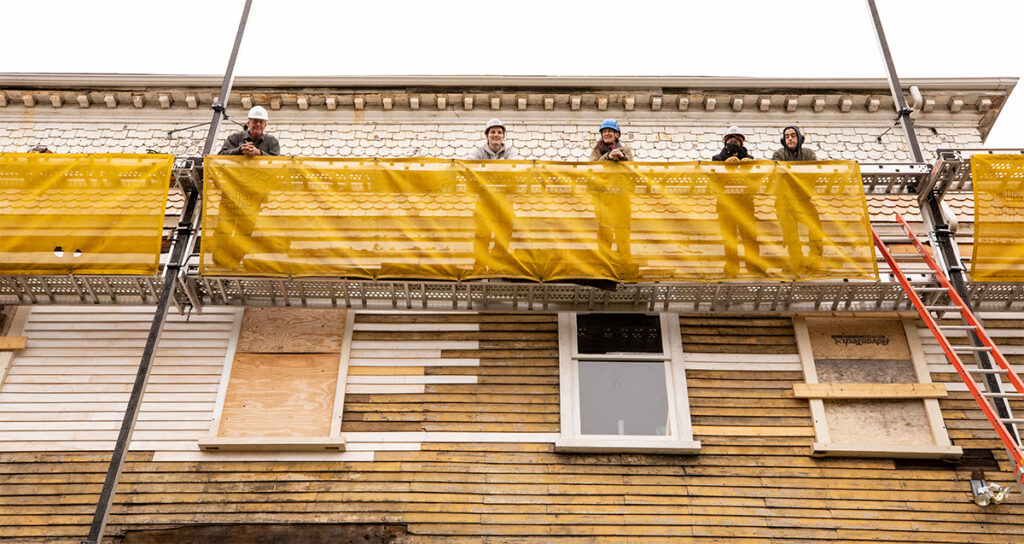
952 171
490 295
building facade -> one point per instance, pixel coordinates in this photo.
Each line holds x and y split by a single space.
310 417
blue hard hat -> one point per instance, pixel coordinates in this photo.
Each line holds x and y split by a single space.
610 123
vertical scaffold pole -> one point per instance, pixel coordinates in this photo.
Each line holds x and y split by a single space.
931 212
172 270
902 109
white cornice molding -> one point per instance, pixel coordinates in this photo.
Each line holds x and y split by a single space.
949 101
106 81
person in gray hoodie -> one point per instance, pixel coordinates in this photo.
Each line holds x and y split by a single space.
801 208
793 146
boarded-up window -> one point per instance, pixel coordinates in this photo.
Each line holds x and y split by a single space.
869 388
282 385
622 384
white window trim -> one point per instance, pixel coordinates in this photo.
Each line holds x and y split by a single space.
333 442
824 445
680 440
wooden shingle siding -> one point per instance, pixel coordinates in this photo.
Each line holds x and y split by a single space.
745 387
753 481
488 373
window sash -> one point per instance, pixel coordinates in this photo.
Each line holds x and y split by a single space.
678 438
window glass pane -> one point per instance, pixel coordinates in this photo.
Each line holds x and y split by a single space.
618 333
623 398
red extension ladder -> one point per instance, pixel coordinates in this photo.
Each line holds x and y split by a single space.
942 299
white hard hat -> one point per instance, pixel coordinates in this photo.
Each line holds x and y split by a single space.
493 123
734 131
258 112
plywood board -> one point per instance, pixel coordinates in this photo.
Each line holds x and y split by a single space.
880 371
291 330
857 338
273 395
897 422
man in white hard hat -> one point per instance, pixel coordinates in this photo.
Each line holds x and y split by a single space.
237 219
253 141
495 148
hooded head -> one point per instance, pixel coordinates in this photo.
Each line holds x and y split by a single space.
799 138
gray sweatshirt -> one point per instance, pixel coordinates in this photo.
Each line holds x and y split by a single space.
484 153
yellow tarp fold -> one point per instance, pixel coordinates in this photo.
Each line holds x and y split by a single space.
545 221
998 218
82 214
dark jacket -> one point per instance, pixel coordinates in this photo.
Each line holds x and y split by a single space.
725 154
799 154
267 144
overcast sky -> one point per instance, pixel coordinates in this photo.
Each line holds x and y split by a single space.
760 38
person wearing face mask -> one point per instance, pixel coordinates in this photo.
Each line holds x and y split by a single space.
734 149
735 211
609 147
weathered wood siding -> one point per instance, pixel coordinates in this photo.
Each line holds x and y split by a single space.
474 421
68 388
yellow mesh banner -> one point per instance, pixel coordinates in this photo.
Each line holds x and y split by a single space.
998 218
545 221
82 214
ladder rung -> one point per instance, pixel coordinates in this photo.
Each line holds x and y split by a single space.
970 349
1004 395
931 289
943 308
985 370
958 327
894 239
1011 420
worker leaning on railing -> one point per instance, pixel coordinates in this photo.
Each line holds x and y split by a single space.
800 207
609 147
253 141
734 149
494 147
793 146
734 208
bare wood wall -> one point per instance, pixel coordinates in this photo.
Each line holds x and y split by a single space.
467 402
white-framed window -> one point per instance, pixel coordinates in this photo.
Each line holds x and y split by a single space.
622 384
869 388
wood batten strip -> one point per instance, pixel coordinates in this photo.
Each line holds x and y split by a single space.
731 430
406 379
385 389
385 370
272 444
868 390
12 343
403 345
440 361
246 457
416 327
